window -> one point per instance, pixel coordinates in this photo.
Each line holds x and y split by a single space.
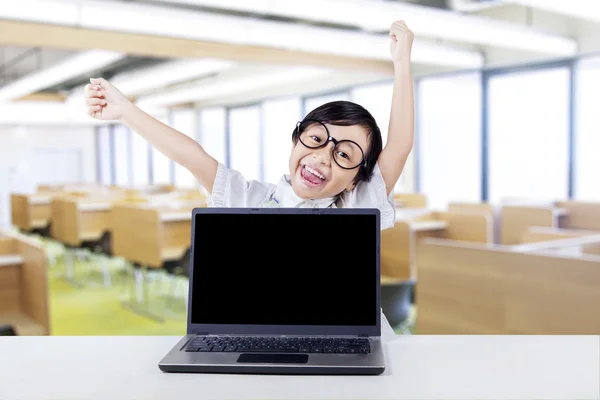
140 149
161 165
528 129
279 120
587 130
377 99
103 151
310 103
122 153
245 141
212 132
449 142
185 121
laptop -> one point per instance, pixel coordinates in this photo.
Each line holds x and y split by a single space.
282 291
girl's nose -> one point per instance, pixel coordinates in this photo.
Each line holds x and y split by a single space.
323 155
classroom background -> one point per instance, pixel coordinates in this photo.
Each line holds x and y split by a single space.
498 208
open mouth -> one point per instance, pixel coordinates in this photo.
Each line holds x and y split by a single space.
311 176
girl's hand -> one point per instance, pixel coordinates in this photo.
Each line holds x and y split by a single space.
105 102
401 41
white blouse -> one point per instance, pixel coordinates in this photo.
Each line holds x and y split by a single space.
230 189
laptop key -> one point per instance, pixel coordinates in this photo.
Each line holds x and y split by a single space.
265 350
217 349
205 349
192 348
230 348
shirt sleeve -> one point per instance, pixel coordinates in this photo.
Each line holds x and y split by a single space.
231 189
373 194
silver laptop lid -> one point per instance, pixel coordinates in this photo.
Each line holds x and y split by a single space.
285 271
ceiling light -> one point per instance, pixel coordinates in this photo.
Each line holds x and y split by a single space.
72 67
148 79
377 15
584 9
231 86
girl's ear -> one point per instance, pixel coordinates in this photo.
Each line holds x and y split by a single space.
351 186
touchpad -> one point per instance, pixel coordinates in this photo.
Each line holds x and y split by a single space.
273 358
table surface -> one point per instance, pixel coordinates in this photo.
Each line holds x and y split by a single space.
10 259
418 367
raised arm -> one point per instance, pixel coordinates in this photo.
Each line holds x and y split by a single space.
105 102
401 127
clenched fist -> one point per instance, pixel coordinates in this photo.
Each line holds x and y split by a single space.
401 41
104 101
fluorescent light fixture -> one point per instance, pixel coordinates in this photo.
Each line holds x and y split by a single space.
72 67
44 11
232 86
148 79
584 9
378 15
45 113
199 25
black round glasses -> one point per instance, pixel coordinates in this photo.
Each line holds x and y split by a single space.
346 153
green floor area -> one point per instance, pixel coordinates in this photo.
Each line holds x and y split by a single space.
94 309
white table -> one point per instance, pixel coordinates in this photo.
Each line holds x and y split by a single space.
419 367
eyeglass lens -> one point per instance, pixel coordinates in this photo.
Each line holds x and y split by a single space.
346 153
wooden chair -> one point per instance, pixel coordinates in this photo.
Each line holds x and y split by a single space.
83 224
152 238
23 286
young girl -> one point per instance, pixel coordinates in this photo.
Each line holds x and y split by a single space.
336 160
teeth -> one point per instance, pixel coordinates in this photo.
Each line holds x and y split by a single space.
314 172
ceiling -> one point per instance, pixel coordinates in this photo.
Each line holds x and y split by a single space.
19 62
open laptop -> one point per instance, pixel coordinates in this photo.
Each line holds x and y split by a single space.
282 291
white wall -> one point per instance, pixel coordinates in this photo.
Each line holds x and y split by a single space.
20 150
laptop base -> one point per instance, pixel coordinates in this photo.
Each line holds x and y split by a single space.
271 370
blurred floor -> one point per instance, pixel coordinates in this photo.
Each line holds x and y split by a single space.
96 310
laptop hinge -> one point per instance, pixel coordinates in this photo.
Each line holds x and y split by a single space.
201 333
363 335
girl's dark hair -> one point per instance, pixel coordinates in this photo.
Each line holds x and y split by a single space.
346 113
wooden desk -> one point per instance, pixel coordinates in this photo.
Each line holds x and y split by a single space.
516 220
23 286
410 200
472 288
10 259
428 226
399 244
30 211
418 367
78 220
579 215
152 235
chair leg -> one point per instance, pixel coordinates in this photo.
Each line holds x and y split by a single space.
105 271
69 269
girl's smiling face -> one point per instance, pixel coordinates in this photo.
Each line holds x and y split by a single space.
314 173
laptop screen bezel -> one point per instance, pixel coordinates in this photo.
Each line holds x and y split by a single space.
240 329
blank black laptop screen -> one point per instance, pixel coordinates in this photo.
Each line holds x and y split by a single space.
283 269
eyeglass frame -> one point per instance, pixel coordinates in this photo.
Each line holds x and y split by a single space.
330 138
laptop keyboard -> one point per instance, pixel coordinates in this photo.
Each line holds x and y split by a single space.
278 345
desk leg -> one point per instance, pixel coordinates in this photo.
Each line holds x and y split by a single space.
139 302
